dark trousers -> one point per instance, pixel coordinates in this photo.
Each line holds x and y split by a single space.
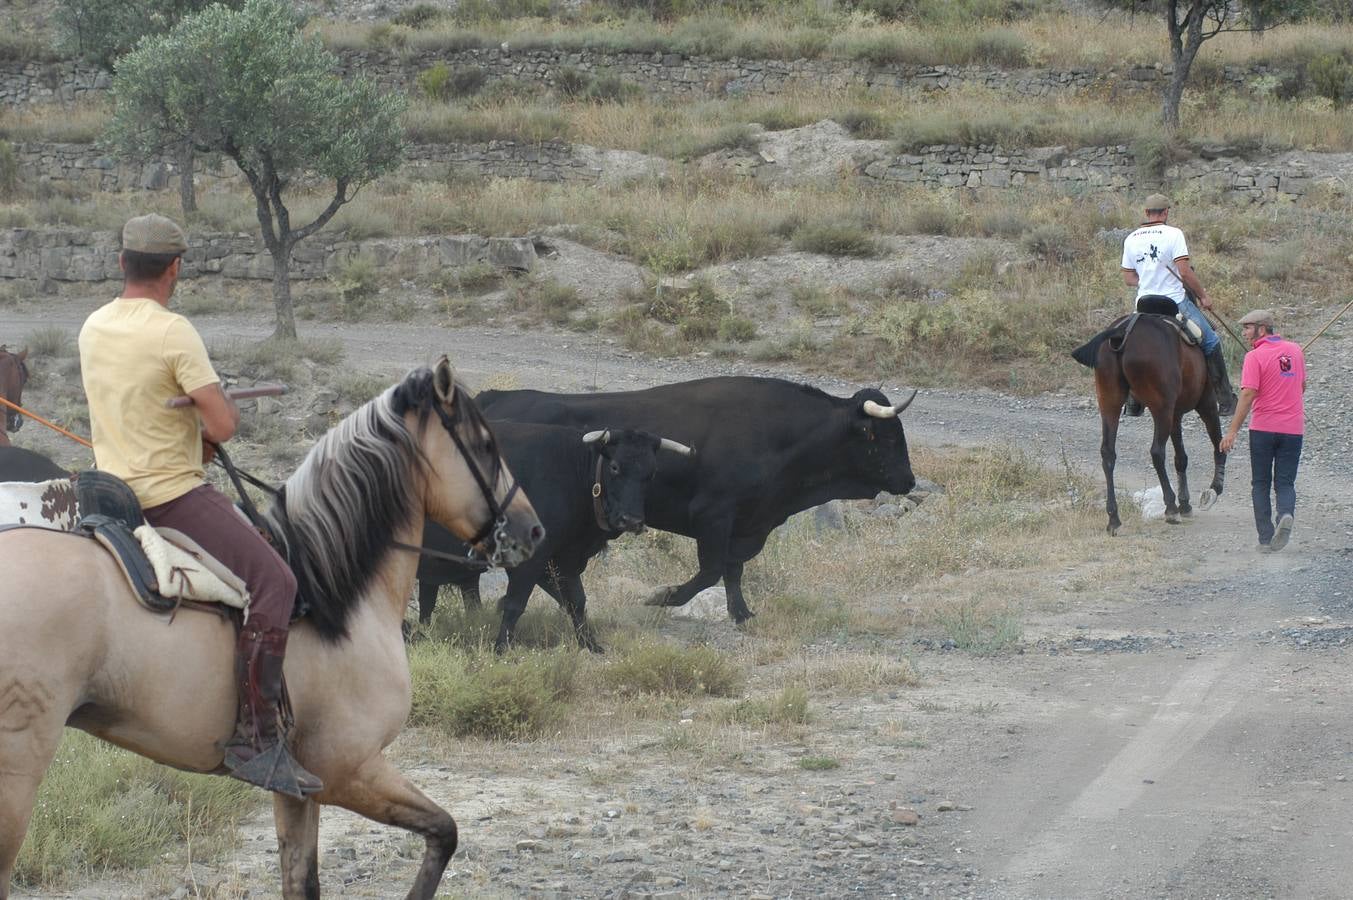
208 517
1273 470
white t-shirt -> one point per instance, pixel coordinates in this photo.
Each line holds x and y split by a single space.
1152 251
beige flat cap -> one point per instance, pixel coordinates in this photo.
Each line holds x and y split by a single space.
1258 317
153 234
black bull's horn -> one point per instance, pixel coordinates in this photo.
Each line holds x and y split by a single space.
666 443
887 412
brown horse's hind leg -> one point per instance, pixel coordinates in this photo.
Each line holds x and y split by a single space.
1163 420
29 735
1181 465
379 792
1110 391
298 846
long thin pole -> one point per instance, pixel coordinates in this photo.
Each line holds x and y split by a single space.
1216 315
39 419
1327 325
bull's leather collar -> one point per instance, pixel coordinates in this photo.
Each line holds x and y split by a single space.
598 509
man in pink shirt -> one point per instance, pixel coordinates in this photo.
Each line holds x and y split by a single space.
1272 383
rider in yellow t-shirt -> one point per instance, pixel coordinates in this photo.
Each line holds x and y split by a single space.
134 355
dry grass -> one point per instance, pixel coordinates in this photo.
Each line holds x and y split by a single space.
1051 39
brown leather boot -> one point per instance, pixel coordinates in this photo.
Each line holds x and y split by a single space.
258 752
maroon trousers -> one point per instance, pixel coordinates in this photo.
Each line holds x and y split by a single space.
208 517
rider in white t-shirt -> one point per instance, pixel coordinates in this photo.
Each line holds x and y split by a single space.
1156 262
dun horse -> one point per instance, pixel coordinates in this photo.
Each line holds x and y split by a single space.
77 650
1169 378
13 376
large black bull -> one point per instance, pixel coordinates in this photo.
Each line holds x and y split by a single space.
586 489
768 449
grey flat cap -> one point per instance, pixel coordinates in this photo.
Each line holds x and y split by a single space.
153 234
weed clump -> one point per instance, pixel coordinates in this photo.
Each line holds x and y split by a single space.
674 672
485 696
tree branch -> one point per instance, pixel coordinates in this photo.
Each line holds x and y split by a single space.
340 197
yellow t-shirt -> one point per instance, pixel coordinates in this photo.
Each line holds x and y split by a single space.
135 355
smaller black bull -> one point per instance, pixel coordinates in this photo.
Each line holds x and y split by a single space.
586 489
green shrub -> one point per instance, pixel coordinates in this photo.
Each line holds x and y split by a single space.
982 632
835 239
548 299
418 16
611 89
1331 76
571 82
789 707
936 217
729 137
385 36
864 124
357 283
434 81
466 82
818 763
481 695
1052 242
495 10
9 170
674 671
736 329
701 302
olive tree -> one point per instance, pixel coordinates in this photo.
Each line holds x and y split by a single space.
101 31
248 84
1190 23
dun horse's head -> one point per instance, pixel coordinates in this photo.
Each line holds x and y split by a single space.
470 490
13 377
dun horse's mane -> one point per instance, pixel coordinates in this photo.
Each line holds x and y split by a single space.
354 490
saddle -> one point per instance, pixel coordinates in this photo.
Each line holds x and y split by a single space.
164 568
1154 305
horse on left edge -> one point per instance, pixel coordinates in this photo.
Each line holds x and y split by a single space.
76 648
13 377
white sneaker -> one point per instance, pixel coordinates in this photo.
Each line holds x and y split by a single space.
1282 532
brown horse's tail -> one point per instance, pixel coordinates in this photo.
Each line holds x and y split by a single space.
1087 354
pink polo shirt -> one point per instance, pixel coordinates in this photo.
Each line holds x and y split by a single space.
1277 370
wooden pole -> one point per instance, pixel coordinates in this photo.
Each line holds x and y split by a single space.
263 390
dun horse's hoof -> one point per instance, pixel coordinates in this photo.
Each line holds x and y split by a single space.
1207 499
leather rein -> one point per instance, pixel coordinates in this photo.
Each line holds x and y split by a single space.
496 527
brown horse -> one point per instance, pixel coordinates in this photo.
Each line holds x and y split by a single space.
13 376
1169 378
76 649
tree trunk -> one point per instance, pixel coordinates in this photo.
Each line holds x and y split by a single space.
1174 93
187 191
281 292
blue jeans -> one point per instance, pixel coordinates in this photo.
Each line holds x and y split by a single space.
1210 339
1273 469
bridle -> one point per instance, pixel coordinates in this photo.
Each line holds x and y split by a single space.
495 529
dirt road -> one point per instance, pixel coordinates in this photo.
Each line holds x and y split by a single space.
1191 738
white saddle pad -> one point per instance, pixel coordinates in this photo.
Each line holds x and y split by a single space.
184 570
46 504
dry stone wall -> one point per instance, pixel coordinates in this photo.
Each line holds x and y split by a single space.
79 255
657 73
1084 170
